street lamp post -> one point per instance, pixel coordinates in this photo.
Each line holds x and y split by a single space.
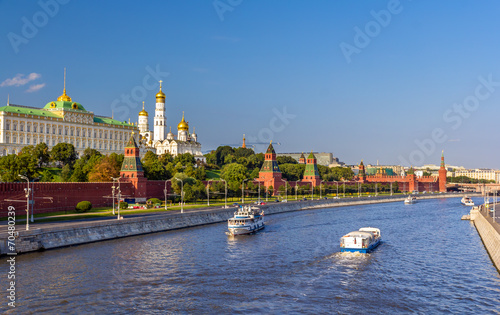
259 193
208 193
376 191
296 190
182 194
166 192
225 193
27 193
391 188
243 191
286 190
119 194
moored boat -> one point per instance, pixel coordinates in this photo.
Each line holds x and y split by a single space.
363 241
410 199
246 220
467 201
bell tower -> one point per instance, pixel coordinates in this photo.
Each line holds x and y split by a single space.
442 174
160 120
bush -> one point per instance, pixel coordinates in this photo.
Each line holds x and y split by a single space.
83 206
123 205
153 201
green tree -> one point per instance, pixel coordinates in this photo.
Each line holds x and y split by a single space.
42 153
185 159
286 160
292 172
233 172
64 153
154 169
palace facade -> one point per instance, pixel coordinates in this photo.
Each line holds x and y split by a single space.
61 121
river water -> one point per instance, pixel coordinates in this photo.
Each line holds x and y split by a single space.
429 262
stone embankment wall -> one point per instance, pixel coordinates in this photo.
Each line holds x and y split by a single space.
489 231
87 232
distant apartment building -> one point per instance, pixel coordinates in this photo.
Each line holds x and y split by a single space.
479 173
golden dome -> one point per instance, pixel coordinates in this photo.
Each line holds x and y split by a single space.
64 97
143 112
160 95
183 125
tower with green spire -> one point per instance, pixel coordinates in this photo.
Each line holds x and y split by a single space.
132 170
270 174
311 173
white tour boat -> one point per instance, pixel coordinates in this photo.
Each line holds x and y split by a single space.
467 201
410 199
362 241
246 220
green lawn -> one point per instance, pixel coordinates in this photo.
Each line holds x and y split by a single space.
213 174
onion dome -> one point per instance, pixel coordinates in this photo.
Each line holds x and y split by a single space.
170 135
183 125
160 96
143 112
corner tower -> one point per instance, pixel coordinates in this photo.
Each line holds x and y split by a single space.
160 120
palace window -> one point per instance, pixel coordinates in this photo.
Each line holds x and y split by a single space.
14 127
95 134
14 138
71 132
20 139
60 131
100 134
7 139
28 128
53 142
27 140
66 131
21 127
34 141
7 125
77 132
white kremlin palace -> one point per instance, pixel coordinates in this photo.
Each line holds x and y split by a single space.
67 121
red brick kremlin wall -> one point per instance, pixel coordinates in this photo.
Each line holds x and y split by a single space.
65 196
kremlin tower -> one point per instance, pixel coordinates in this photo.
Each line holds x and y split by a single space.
442 174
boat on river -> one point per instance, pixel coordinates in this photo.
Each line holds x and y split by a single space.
246 220
363 241
410 199
467 201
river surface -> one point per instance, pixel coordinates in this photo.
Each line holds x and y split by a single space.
429 262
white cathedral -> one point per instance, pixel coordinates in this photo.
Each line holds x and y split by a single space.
159 141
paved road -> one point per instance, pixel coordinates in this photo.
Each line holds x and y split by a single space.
38 225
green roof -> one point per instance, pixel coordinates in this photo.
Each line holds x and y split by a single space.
270 149
110 121
28 111
63 104
311 156
131 142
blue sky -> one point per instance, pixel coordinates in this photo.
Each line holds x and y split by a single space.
417 77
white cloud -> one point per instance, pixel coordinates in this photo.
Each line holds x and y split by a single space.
20 79
35 88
